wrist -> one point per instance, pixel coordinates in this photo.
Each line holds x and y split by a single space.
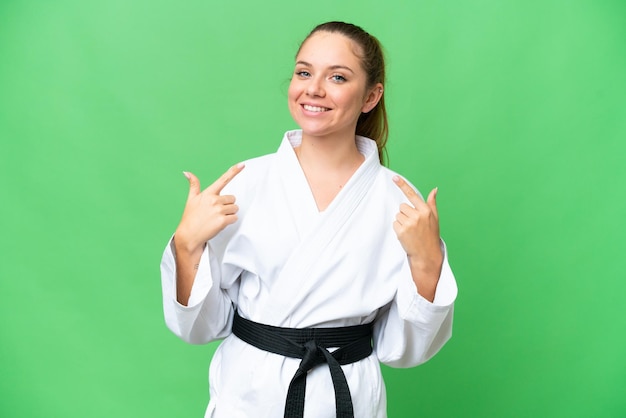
185 248
426 269
425 276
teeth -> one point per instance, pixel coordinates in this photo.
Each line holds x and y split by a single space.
315 108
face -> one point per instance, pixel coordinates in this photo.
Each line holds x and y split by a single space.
328 90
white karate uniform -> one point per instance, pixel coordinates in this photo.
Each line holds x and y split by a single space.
284 263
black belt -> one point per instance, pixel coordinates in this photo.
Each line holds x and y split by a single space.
310 344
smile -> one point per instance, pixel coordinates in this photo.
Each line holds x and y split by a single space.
315 108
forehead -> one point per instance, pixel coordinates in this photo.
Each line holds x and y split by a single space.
328 49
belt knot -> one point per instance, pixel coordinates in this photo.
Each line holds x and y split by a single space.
311 353
310 345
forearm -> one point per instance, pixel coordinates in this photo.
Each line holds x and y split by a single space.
415 328
425 277
187 262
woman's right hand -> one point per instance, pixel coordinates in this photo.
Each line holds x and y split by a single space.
206 212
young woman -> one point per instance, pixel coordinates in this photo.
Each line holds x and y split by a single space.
315 263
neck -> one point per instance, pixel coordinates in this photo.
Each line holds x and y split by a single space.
337 153
328 164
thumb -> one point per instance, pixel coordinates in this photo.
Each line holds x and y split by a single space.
194 184
432 201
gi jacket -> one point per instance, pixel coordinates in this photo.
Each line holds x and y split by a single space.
285 263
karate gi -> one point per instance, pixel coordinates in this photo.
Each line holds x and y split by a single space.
285 263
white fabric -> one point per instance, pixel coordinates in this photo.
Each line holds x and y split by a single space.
284 263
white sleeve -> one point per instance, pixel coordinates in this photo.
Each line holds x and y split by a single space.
208 315
412 330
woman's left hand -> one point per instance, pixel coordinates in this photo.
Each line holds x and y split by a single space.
417 228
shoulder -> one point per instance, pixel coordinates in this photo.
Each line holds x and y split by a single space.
392 191
257 169
259 163
253 173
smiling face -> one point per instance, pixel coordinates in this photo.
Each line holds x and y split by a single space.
328 91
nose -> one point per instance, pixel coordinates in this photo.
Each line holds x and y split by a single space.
315 88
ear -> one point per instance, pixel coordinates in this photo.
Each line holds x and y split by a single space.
372 97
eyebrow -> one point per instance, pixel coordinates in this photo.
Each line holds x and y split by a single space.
332 67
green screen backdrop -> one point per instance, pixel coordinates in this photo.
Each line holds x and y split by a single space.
516 110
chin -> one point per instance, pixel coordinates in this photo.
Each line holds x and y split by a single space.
311 129
314 131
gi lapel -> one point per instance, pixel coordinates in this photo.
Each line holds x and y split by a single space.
316 229
295 188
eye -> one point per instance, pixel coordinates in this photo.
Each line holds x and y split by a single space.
338 78
303 73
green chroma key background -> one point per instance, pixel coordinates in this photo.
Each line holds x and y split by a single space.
516 110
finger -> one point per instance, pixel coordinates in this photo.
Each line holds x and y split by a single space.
229 209
397 228
194 184
230 219
408 210
227 199
402 219
220 183
432 201
408 191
